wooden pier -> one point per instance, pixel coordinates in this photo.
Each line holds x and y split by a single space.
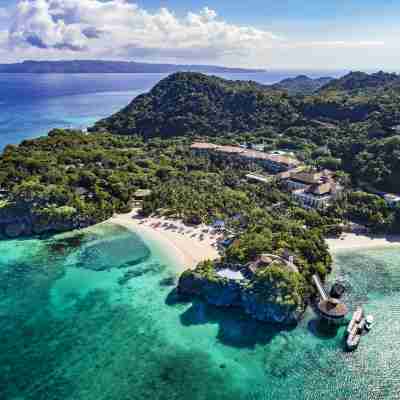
330 309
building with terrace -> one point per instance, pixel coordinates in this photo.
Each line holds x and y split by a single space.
268 260
314 189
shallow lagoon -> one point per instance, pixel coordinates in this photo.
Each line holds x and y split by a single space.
94 316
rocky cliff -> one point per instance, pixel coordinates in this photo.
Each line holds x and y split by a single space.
16 223
268 304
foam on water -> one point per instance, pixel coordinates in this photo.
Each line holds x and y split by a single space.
93 315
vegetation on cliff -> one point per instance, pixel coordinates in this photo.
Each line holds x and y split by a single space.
272 294
277 285
70 179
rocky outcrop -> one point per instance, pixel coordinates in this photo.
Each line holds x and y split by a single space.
13 226
270 311
219 292
225 292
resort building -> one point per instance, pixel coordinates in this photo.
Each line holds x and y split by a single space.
268 260
252 159
219 225
314 189
310 188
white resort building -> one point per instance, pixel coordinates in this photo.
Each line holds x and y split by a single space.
314 189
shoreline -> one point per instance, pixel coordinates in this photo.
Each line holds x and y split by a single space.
180 241
352 241
183 244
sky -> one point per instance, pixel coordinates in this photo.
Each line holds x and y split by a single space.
270 34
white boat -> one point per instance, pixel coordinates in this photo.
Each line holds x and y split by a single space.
353 339
369 322
356 319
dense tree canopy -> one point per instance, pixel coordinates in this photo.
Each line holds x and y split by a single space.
350 123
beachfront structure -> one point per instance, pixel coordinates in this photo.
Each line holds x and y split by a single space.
239 272
329 309
392 200
219 225
268 260
252 159
314 189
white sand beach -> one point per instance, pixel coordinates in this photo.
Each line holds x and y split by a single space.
352 241
189 245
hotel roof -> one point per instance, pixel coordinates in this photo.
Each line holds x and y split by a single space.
321 189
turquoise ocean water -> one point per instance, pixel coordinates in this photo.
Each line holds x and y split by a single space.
93 315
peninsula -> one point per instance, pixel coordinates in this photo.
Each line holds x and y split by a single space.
258 177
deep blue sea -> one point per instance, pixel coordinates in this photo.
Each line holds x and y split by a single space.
92 315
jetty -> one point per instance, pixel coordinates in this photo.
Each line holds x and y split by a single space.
329 308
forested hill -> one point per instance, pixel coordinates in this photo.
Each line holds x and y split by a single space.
192 103
302 84
338 127
362 81
104 67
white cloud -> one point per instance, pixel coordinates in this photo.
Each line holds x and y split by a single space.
119 28
35 25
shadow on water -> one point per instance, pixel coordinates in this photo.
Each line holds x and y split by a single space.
174 298
235 328
169 281
153 268
321 329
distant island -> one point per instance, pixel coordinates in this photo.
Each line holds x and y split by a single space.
112 67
